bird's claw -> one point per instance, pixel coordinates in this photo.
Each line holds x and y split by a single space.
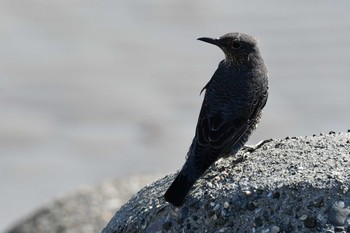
252 148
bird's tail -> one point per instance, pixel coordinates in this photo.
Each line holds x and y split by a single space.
190 172
178 190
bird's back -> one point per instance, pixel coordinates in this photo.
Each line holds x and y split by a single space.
230 111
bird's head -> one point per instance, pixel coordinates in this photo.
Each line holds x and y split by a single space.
240 49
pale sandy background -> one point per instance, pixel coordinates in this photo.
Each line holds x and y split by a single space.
93 90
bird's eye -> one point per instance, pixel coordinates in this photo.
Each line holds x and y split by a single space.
236 45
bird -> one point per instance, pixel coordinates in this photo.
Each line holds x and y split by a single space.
231 109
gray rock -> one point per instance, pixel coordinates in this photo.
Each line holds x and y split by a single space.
338 213
85 211
299 184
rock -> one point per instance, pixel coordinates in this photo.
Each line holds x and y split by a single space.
338 213
86 211
299 184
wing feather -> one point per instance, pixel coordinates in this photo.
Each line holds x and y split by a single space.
216 135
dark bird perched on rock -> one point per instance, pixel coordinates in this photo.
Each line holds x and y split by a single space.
231 109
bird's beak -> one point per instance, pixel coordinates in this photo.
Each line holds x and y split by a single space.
213 41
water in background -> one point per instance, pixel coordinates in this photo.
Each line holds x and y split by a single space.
92 90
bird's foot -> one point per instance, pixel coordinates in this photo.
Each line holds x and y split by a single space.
252 148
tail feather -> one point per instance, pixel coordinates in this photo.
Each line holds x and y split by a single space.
178 190
196 164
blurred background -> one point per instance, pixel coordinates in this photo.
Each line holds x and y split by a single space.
94 90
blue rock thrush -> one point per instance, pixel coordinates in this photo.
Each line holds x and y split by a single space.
231 109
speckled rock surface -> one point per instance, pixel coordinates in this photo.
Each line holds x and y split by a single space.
293 185
85 211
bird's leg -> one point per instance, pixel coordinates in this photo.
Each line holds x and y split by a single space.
252 148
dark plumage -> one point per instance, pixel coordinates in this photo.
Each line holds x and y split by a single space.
231 109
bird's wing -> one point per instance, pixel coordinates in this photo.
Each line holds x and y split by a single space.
216 135
205 87
214 138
